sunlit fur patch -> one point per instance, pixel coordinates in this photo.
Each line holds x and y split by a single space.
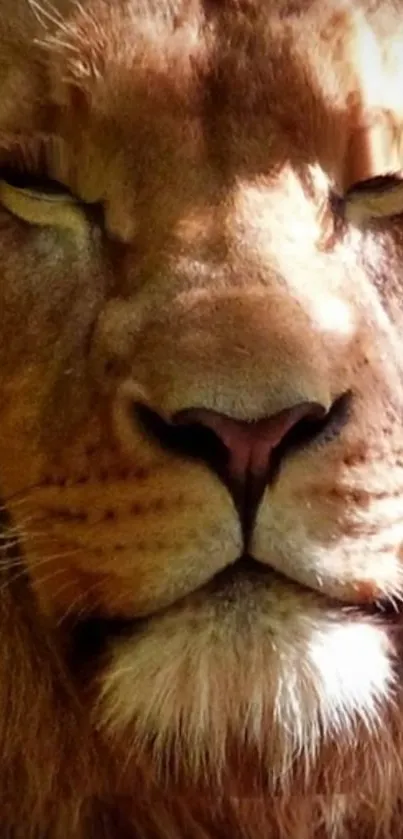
268 666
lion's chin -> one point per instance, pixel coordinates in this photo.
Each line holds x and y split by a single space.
243 668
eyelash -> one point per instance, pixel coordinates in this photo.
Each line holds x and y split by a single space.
33 161
380 183
37 163
40 163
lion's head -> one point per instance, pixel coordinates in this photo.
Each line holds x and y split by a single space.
201 444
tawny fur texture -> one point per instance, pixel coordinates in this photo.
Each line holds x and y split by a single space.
205 244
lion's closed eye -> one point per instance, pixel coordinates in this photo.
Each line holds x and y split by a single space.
376 198
41 207
30 191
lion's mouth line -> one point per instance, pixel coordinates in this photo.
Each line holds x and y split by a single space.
91 636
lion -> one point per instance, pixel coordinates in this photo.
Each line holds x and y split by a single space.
201 403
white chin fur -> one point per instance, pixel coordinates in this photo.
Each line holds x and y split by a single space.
272 666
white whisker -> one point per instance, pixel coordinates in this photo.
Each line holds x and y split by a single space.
45 13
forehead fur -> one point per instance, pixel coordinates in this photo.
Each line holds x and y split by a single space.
239 56
210 76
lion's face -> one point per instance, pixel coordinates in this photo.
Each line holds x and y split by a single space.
201 360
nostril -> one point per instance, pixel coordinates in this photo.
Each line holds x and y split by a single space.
246 456
189 439
250 447
310 429
250 444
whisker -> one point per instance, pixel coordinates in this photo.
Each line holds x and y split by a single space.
20 526
17 535
45 13
35 537
79 599
41 563
15 501
53 44
96 584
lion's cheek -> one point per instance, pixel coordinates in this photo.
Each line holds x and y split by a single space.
338 541
134 551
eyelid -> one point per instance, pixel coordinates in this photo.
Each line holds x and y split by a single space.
38 194
378 184
376 198
44 209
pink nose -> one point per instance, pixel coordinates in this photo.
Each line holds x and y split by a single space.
249 465
250 444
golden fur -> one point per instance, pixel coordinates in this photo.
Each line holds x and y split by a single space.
220 275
